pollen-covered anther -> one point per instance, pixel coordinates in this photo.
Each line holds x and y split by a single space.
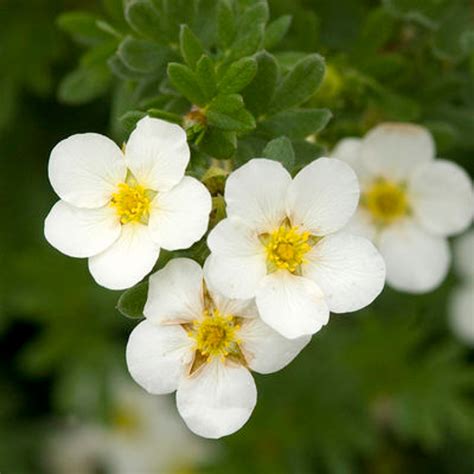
286 248
386 201
215 335
131 202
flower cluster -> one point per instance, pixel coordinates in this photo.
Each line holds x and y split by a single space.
289 251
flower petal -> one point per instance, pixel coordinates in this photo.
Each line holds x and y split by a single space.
256 193
237 262
157 153
349 270
81 232
265 350
127 261
348 150
362 224
85 169
464 255
175 293
416 261
393 150
180 217
157 356
293 306
442 198
217 400
323 196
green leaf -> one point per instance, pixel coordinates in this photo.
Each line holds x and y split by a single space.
185 81
143 55
226 24
206 76
276 31
144 18
258 94
238 75
132 301
227 112
281 150
299 84
165 115
191 46
84 84
121 70
219 143
82 26
297 123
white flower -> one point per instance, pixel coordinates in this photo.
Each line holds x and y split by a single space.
280 244
409 202
461 303
203 345
142 434
118 209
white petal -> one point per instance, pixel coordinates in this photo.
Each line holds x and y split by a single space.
323 196
361 223
392 150
180 217
464 255
175 292
157 356
81 232
237 262
157 153
217 400
348 150
442 198
127 261
85 169
349 270
292 305
416 261
461 313
256 193
265 350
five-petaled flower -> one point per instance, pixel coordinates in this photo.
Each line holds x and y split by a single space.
410 202
203 345
119 208
280 243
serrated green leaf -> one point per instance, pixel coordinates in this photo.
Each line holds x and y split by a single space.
206 76
144 18
82 26
299 84
237 76
143 55
258 94
191 46
84 84
219 143
276 31
132 301
226 24
281 150
185 81
228 113
165 115
297 123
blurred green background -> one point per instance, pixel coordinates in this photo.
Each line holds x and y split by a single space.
386 390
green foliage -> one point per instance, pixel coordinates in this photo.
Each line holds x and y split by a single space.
281 150
132 301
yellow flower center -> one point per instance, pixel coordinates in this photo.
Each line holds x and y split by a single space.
386 201
125 419
131 202
286 248
215 335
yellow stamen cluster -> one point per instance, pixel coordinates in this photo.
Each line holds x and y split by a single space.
131 202
286 248
215 335
386 201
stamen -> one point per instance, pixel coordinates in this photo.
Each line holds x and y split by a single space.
132 203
